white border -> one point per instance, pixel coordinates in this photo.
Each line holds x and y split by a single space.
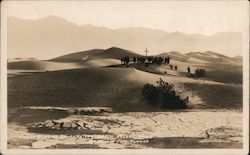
3 82
3 110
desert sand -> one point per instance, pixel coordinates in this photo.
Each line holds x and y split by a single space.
68 96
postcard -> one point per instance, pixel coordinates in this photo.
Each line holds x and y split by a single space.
124 77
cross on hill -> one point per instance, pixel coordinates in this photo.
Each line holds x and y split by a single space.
146 51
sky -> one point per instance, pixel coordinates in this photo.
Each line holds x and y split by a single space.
204 17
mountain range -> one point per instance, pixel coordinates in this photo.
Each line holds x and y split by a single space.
52 36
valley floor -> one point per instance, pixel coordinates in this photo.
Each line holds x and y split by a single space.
133 130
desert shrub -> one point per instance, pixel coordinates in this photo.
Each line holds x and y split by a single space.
163 95
199 72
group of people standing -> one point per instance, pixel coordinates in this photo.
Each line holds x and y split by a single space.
146 60
158 60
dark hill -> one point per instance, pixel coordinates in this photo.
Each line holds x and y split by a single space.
110 53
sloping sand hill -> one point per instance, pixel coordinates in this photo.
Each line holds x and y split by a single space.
118 88
83 79
210 56
78 56
20 59
175 55
110 53
102 62
112 56
86 59
78 87
42 65
195 60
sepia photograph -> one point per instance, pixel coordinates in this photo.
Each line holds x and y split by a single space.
125 77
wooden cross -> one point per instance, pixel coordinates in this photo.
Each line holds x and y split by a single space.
146 52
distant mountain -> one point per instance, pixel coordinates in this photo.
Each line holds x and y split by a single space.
53 36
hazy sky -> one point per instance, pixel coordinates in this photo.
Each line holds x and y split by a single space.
185 16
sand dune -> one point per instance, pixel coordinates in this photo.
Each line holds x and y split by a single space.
112 56
175 55
87 59
225 72
110 53
42 65
20 59
74 77
195 60
118 88
78 87
199 57
103 62
210 56
214 54
78 56
83 79
118 53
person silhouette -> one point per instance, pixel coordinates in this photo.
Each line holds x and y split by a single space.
188 70
134 60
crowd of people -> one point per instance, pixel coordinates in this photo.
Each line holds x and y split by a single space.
145 60
199 72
